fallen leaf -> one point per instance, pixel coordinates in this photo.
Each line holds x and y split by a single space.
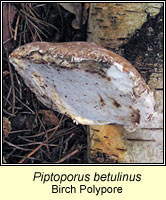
30 122
18 121
6 126
49 118
74 8
24 121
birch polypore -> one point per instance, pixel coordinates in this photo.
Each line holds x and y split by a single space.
92 85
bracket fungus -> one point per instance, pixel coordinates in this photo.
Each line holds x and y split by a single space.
92 85
85 81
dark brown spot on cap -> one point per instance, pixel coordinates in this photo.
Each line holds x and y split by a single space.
136 116
116 104
102 101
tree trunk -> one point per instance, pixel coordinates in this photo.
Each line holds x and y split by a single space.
115 26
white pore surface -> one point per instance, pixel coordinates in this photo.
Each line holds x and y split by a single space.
87 97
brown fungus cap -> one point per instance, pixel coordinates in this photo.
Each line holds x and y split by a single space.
90 84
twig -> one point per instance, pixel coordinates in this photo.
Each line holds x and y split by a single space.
25 105
13 89
6 98
16 27
66 142
38 147
10 114
17 147
68 156
19 131
46 134
13 37
19 84
10 26
40 134
30 154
